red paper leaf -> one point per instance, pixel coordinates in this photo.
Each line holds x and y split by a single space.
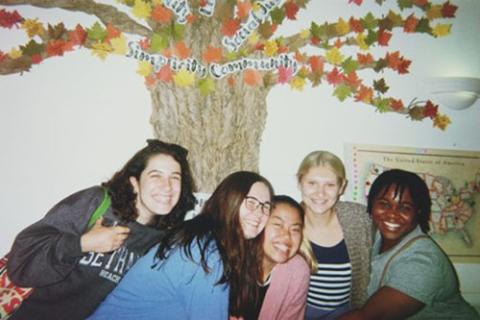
403 67
364 59
181 50
421 3
144 43
357 2
284 74
448 10
212 54
161 14
410 24
36 58
2 56
9 19
78 35
393 60
55 48
165 74
291 10
364 94
430 110
112 32
230 27
243 8
383 37
356 25
334 77
396 104
352 80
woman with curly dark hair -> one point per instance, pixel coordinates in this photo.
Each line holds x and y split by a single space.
205 268
73 264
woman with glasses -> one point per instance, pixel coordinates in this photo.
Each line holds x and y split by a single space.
73 266
204 268
340 236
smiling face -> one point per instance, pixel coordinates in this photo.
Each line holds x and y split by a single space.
253 220
282 236
159 187
321 188
394 217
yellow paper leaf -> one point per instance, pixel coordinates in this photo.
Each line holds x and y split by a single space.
441 121
441 30
183 78
141 9
342 27
435 12
270 49
253 38
15 53
101 50
334 56
145 68
305 34
119 45
157 2
33 27
297 83
361 41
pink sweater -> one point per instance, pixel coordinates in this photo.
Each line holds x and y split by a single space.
286 296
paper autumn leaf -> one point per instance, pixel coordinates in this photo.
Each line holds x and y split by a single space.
441 30
291 10
360 39
2 56
369 21
55 48
334 77
14 53
101 50
158 42
165 74
266 29
448 10
78 35
181 50
421 3
364 94
357 2
212 54
112 32
342 92
36 59
277 15
410 24
141 9
355 25
352 80
316 63
243 8
382 104
403 4
365 59
396 104
441 122
33 27
230 27
435 12
253 38
252 77
297 83
270 49
183 78
161 14
56 31
284 74
384 37
119 45
96 32
349 65
380 85
430 110
32 48
342 27
150 81
206 86
9 19
145 68
334 56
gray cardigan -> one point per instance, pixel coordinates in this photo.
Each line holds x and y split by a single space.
357 232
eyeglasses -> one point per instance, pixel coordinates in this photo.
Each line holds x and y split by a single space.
181 151
253 203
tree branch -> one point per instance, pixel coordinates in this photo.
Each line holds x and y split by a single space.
106 13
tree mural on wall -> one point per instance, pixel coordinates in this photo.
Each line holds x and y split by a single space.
209 64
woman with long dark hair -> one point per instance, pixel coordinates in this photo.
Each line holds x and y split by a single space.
205 268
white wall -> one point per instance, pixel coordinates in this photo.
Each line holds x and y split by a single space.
72 121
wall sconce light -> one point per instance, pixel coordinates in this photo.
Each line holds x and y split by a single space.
454 92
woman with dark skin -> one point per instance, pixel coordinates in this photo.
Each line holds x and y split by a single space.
411 277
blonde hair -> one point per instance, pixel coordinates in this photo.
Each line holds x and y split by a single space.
321 158
307 253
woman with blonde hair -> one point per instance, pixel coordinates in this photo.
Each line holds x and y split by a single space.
340 236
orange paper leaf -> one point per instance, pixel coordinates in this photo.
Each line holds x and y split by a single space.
252 77
161 14
230 27
181 50
212 54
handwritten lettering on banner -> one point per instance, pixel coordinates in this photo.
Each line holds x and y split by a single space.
216 70
180 8
255 18
208 8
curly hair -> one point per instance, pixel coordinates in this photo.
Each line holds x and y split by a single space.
404 180
123 196
219 222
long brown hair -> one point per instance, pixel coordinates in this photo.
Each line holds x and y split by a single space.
219 221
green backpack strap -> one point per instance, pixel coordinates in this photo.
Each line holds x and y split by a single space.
102 208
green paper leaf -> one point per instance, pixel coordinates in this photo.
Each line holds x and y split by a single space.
423 26
342 92
318 31
32 48
277 15
371 38
96 32
380 85
369 21
382 104
158 42
178 31
380 65
395 18
206 86
405 4
349 65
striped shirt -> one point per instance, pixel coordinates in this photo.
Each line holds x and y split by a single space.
329 287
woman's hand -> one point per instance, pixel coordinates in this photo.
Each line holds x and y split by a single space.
103 239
